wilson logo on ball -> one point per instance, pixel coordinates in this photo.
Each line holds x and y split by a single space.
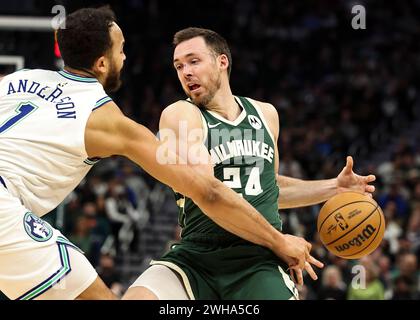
358 240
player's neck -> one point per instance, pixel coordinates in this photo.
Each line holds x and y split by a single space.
224 103
83 73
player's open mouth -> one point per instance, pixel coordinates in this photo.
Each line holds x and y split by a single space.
193 87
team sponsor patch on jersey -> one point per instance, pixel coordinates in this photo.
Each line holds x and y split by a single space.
36 228
254 122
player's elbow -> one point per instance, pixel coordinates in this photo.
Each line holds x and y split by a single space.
206 191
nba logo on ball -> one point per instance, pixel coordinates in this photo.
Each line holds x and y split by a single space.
351 225
37 228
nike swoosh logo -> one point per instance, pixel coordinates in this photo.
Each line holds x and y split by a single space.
211 126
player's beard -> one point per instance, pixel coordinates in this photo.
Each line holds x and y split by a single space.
213 86
113 81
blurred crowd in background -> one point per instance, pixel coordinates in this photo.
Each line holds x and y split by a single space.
338 92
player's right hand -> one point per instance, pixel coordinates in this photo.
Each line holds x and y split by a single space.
295 247
295 251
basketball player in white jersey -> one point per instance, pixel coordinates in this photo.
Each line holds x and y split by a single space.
53 127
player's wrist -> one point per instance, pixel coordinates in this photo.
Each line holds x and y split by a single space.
335 185
278 242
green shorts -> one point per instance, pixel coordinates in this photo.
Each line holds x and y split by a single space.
239 271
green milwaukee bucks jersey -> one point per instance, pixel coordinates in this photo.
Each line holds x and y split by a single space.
243 154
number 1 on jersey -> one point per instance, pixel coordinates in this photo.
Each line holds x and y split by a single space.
23 110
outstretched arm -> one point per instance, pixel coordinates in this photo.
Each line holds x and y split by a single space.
300 193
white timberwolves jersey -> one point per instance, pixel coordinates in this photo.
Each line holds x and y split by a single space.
43 116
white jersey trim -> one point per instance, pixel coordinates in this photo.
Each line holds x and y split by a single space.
176 268
237 121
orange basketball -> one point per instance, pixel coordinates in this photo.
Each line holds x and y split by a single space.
351 225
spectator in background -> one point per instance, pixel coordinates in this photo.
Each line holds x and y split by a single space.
384 265
121 214
393 229
99 232
333 287
403 288
82 233
306 293
345 266
406 275
394 195
109 274
136 183
413 228
416 192
290 167
141 193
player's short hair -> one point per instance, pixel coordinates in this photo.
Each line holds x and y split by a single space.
86 36
213 40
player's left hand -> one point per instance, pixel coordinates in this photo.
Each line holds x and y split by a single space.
347 180
296 273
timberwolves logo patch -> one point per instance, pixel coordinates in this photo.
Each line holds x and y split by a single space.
36 228
254 122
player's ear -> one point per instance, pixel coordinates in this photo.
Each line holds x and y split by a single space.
223 62
101 65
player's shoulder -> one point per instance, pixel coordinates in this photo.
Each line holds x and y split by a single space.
17 73
38 74
181 110
21 75
267 108
180 106
27 72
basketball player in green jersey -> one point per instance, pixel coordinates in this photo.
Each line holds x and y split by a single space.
235 139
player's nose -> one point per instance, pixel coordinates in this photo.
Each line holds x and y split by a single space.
187 71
